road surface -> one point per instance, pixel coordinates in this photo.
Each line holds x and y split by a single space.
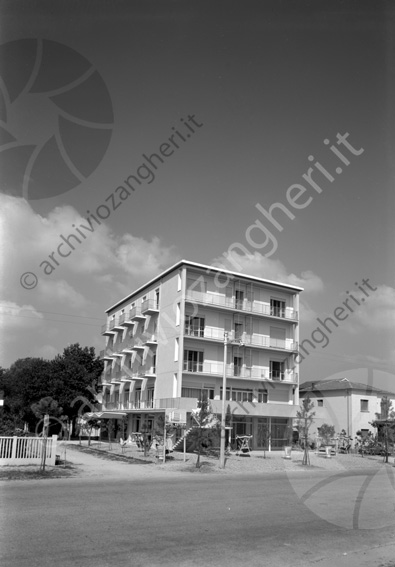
188 520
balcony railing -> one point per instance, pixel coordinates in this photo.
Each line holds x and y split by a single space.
234 371
245 305
136 314
109 327
149 306
263 341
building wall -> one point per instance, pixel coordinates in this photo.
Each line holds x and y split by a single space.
168 371
183 292
343 410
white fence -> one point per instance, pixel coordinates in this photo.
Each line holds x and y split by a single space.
27 450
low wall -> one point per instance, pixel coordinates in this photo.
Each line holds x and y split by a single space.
27 450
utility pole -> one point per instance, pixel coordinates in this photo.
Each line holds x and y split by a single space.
222 446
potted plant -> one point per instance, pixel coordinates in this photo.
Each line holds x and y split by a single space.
327 432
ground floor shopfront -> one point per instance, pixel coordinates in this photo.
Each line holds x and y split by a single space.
266 433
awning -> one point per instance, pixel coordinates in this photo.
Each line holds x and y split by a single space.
106 414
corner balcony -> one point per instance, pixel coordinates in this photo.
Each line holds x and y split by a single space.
135 314
149 307
245 305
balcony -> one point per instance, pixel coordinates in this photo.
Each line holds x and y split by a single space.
149 307
125 320
209 333
138 346
150 371
244 305
108 329
135 314
187 404
152 340
245 372
106 354
241 339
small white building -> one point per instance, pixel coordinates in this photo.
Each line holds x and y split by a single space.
346 404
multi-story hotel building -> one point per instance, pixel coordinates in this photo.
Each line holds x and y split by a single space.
165 350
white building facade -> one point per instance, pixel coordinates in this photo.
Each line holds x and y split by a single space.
165 350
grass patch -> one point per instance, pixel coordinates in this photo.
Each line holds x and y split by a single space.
29 472
106 455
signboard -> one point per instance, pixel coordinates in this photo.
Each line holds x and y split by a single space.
178 416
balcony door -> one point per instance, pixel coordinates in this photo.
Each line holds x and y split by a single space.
276 370
239 294
237 365
277 308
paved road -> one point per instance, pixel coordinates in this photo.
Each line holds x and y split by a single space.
190 520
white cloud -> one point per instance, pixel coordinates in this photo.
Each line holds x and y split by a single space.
141 258
37 243
14 317
258 265
377 312
55 291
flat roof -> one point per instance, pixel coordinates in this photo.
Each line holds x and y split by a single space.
208 270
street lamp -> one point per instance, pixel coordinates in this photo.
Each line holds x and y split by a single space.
222 446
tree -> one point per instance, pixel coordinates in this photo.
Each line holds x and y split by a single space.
76 374
24 383
305 417
205 420
385 423
48 406
92 423
70 379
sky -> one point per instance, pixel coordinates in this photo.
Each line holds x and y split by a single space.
268 92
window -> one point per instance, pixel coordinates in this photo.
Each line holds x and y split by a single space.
157 299
150 397
276 370
364 405
277 308
237 365
227 394
193 360
262 397
137 397
194 326
320 403
176 346
238 395
199 393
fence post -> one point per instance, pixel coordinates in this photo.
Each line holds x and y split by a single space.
14 443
